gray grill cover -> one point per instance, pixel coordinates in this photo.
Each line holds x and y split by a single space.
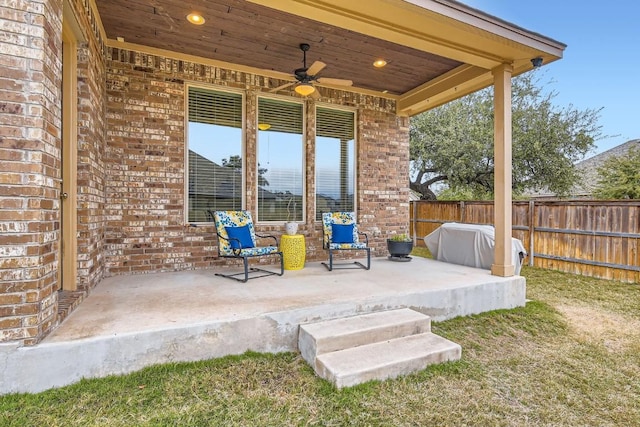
469 244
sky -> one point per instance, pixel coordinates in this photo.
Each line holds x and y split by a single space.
601 64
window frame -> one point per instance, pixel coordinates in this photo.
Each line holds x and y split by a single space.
304 141
353 110
243 145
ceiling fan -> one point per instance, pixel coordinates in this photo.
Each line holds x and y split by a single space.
306 75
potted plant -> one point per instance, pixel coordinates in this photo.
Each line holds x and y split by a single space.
399 246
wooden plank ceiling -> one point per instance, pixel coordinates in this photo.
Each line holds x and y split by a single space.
240 32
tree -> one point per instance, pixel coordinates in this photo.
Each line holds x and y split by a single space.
619 177
452 145
235 162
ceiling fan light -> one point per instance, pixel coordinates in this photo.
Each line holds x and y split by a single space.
195 18
305 89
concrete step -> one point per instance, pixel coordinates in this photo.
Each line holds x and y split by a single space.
374 346
385 359
338 334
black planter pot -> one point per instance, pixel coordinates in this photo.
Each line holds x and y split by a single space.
399 249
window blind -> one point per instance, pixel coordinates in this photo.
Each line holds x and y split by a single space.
335 160
280 160
282 116
215 165
214 107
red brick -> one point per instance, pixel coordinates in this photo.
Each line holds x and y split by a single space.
10 299
10 322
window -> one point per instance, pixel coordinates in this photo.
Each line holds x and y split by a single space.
215 164
335 160
280 160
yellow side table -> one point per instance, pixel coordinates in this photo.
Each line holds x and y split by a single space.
293 251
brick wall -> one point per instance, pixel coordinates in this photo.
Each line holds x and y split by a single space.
30 158
91 170
145 174
29 152
383 176
145 163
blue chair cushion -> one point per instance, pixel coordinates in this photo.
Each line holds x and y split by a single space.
341 233
243 234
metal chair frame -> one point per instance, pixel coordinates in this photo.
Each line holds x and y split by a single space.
326 244
245 275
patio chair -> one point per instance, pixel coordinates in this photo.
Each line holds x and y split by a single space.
237 239
340 233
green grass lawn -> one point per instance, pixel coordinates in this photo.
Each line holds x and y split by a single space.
571 357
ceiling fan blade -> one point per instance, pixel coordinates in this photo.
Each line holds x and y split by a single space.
279 88
336 82
315 68
315 94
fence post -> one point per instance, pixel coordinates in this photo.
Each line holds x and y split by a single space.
462 211
414 222
532 218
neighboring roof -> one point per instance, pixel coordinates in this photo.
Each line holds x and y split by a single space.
436 50
589 167
207 178
413 195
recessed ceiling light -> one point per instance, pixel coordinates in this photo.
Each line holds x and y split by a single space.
195 18
379 63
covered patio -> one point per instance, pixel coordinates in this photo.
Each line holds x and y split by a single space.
108 182
129 322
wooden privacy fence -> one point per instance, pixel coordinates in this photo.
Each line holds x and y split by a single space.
589 237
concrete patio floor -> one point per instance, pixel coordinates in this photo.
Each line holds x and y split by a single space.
130 322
